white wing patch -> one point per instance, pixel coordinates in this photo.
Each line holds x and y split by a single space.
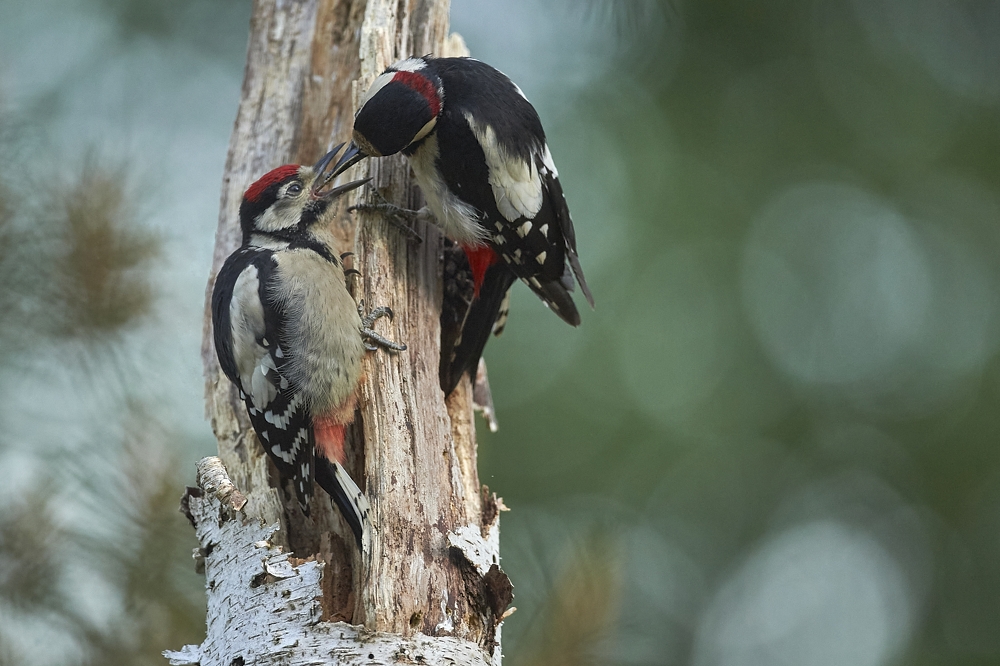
516 185
246 316
280 421
301 438
548 164
262 391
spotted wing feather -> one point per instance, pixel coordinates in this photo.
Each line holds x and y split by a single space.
499 163
248 326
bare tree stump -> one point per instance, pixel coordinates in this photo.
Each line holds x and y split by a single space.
285 589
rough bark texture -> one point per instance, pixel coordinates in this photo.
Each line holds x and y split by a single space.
411 450
265 606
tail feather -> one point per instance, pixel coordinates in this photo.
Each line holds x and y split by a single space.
478 326
334 479
556 295
502 313
574 262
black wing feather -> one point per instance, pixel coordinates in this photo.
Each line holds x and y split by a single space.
540 252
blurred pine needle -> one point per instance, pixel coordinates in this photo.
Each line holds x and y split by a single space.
75 262
134 539
75 257
102 268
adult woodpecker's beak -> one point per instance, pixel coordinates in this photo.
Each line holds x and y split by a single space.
351 156
320 166
323 179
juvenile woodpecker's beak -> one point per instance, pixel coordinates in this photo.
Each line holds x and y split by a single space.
341 189
350 157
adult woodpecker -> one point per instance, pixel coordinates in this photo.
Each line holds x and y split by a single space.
290 336
478 151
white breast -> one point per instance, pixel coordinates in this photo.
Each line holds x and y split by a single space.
323 338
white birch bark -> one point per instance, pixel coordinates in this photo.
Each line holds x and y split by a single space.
265 606
284 589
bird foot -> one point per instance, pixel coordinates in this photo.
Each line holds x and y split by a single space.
401 218
373 340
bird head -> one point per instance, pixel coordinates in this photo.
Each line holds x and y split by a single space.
287 201
400 108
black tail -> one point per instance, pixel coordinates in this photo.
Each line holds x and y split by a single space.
556 295
476 328
334 479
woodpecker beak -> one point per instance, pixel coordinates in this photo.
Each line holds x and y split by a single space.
325 160
341 189
350 157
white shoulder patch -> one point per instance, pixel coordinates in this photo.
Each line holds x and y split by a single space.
548 163
516 185
246 320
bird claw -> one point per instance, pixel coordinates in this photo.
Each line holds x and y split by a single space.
369 319
395 215
372 340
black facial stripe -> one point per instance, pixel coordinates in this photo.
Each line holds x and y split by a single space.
318 248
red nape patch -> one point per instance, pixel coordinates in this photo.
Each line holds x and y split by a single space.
422 85
329 438
480 258
270 178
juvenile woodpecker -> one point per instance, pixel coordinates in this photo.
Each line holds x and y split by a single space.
478 151
291 337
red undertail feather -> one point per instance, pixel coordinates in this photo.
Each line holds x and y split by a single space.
329 438
480 259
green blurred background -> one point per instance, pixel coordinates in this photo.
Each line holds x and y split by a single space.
774 441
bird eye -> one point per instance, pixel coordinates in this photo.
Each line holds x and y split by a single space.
294 188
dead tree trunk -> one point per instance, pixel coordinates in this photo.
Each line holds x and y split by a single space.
289 590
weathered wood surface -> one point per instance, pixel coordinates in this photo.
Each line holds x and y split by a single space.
412 451
295 102
267 605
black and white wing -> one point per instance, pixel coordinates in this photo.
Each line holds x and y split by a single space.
247 326
500 164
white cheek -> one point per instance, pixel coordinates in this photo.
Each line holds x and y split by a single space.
277 217
425 130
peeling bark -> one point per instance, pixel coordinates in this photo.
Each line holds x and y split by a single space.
265 606
284 588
